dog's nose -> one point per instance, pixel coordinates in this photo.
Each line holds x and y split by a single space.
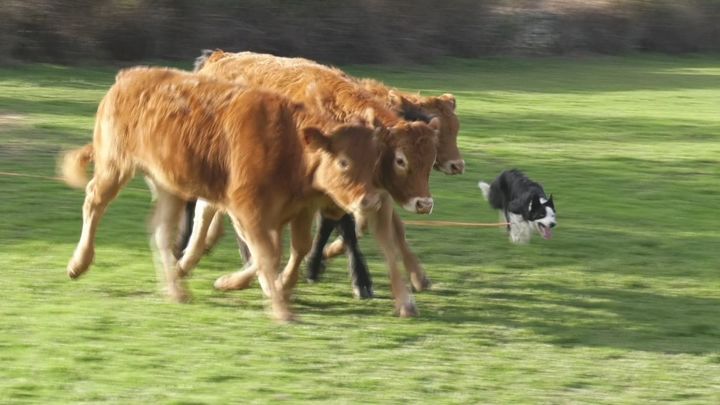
553 224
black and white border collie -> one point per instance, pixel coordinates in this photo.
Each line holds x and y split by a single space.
522 203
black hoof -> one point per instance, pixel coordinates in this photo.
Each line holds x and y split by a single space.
363 292
314 269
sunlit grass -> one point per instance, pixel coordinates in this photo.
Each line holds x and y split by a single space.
620 307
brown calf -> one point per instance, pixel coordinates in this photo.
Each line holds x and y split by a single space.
449 160
408 151
236 147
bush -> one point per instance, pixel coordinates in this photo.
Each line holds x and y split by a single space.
366 31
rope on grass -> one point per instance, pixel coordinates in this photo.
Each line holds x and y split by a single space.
456 224
409 222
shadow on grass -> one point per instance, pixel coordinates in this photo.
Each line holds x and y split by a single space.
620 318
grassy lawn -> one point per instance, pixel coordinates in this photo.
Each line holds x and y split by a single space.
622 306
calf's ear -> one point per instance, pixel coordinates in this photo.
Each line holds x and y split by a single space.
449 99
315 139
395 99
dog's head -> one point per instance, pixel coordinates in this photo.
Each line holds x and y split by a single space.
541 215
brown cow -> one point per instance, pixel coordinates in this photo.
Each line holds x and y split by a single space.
236 147
344 96
408 154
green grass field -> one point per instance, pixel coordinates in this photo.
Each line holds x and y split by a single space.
622 306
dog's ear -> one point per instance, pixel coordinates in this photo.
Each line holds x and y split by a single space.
550 202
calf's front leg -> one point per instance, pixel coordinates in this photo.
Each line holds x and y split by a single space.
384 230
418 278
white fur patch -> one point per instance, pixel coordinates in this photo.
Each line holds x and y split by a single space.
520 229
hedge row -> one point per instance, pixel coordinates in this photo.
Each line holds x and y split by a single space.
363 31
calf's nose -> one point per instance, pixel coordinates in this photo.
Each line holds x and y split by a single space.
424 205
457 167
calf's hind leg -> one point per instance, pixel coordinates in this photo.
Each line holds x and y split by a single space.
99 192
195 247
265 248
301 241
164 227
241 279
215 231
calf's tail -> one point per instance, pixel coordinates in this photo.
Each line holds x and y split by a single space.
73 166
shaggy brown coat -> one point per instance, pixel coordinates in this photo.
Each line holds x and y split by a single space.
409 151
236 147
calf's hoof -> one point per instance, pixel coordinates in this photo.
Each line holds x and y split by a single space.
284 316
363 292
233 282
314 270
407 310
179 294
75 269
421 283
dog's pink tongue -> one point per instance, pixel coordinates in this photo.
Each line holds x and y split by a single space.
546 232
